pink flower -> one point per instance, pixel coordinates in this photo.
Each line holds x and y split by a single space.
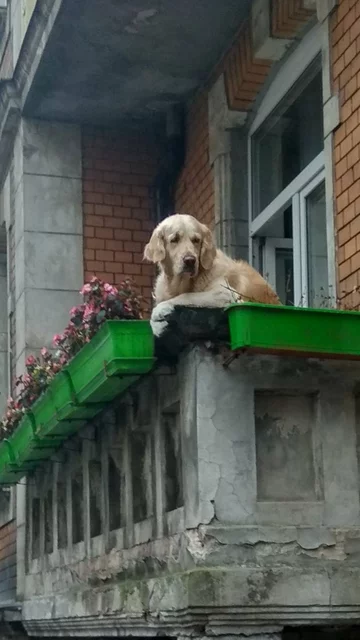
89 310
101 302
110 289
86 289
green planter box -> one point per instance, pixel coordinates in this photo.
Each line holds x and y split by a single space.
26 444
122 351
10 472
118 355
283 330
57 413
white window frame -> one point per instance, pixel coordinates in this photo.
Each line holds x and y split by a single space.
303 266
269 256
296 195
299 189
284 198
305 53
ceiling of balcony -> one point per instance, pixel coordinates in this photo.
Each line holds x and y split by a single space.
110 60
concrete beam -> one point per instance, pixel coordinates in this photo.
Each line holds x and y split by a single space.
223 123
324 8
264 45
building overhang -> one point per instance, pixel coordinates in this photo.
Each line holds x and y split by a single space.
106 62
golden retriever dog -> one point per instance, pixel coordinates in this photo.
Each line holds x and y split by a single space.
193 272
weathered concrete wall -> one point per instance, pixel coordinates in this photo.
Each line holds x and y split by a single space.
224 499
3 328
47 228
43 218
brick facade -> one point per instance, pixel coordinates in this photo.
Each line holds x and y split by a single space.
118 171
244 77
345 45
8 561
288 17
195 187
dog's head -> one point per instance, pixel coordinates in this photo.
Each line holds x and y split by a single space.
182 246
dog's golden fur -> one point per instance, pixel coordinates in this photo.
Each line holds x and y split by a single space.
194 273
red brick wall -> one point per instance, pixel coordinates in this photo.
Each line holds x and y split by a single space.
288 16
345 44
195 188
244 77
118 171
8 561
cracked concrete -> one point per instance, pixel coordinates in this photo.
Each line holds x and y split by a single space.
259 539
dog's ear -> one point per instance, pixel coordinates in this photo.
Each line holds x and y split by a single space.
208 249
155 249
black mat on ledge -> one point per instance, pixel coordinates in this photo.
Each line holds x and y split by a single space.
187 325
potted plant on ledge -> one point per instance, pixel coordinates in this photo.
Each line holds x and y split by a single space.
105 347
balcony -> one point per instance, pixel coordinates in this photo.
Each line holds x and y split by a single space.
215 493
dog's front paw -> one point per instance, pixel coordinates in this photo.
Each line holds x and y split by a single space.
159 317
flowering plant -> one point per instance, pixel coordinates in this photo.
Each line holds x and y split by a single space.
102 302
29 386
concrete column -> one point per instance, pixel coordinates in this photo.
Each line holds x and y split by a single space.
21 12
4 283
218 433
230 215
47 201
340 462
3 326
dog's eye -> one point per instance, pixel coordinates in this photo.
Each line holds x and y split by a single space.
175 239
196 240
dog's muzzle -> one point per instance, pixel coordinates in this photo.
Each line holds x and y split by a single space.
189 264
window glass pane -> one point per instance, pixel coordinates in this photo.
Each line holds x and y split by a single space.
279 271
317 248
285 275
289 139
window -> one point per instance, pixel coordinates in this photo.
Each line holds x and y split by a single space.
288 230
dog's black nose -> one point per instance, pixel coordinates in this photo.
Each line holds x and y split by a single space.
189 261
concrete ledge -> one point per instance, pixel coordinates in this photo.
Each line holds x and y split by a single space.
219 600
265 46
